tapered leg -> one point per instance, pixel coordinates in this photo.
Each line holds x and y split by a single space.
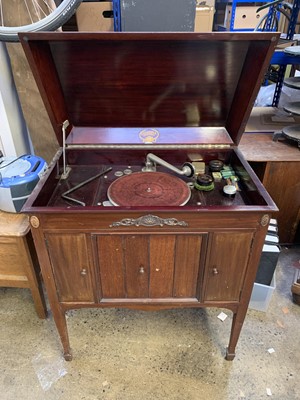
61 325
237 323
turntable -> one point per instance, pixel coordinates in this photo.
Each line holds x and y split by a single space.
130 213
148 189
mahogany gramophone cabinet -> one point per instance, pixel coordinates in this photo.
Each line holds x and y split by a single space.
133 210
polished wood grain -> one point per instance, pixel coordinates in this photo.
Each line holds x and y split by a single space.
226 270
110 261
187 264
149 79
74 280
196 91
162 264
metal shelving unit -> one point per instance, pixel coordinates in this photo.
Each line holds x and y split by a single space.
283 59
117 15
234 4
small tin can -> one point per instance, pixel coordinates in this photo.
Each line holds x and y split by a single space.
229 191
215 165
204 182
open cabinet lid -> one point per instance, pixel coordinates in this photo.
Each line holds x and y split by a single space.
150 80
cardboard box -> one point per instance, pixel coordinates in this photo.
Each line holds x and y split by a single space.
91 17
245 17
204 19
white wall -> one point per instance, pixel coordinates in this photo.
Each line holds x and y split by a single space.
14 137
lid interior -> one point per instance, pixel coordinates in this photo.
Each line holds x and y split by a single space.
149 80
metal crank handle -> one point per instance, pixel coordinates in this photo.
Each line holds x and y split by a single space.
71 199
86 182
187 168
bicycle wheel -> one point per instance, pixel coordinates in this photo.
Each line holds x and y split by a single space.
33 16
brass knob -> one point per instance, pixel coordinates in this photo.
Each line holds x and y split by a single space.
83 272
142 271
215 271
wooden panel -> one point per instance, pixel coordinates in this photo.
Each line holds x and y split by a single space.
187 262
110 90
228 261
110 253
11 259
161 265
283 183
136 255
69 258
13 224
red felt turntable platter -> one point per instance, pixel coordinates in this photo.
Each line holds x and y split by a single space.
149 189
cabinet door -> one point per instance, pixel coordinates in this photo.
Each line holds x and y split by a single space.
149 266
70 263
226 267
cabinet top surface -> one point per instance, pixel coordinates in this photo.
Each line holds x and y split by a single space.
150 80
260 147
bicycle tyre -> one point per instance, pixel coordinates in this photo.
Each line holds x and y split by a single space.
50 23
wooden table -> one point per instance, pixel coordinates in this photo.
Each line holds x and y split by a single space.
277 164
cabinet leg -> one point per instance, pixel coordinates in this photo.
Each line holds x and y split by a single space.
229 356
39 301
68 356
63 333
237 323
61 326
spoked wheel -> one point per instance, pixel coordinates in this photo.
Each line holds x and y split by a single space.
33 16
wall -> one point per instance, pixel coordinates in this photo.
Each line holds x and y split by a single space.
14 138
27 98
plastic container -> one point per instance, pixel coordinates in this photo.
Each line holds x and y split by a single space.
261 295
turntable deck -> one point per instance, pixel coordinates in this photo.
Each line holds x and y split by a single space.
132 190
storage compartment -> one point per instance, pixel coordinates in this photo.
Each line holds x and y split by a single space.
88 164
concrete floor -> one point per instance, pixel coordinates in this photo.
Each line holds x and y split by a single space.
135 355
